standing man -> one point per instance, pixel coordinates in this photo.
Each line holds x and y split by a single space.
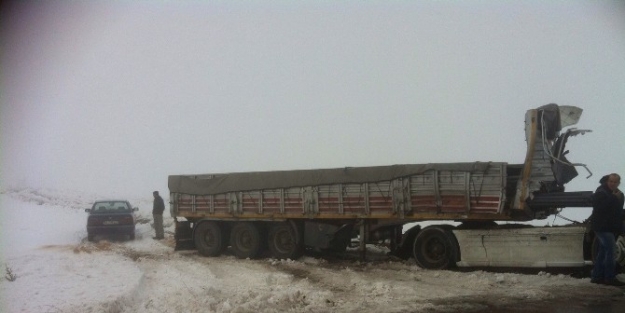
157 213
607 223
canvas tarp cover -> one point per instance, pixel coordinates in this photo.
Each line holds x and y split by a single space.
247 181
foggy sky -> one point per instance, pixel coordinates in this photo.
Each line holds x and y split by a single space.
111 97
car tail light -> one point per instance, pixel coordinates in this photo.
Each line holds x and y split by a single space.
92 221
126 220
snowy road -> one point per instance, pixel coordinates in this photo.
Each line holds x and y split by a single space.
57 270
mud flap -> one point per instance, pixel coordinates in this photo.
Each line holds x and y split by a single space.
184 236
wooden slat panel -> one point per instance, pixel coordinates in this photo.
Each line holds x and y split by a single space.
184 203
354 199
380 198
202 204
293 200
221 203
250 201
484 190
329 199
271 201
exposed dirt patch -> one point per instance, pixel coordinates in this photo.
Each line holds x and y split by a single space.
108 246
297 273
82 247
568 300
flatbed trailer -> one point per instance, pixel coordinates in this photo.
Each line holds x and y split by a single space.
285 212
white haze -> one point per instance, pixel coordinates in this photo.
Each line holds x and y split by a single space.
111 97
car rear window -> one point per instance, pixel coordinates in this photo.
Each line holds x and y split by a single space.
110 206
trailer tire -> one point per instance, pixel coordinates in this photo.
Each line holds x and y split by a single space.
208 239
435 248
246 240
284 242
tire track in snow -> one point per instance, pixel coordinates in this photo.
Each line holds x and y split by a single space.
185 281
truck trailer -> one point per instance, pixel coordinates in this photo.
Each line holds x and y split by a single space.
282 213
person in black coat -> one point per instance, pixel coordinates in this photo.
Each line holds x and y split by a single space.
157 213
607 223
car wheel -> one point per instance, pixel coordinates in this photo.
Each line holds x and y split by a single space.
132 236
90 237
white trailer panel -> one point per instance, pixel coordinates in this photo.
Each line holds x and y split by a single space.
522 247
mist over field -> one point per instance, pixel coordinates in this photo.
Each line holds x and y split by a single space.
106 99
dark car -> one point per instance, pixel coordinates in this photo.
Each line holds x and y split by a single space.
111 217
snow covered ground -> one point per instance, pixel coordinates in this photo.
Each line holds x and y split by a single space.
48 266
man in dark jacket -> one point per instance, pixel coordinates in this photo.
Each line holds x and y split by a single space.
157 213
607 223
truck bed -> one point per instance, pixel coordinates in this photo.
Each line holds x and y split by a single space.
413 191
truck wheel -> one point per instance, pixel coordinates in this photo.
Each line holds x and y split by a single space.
209 239
435 248
245 240
284 242
619 253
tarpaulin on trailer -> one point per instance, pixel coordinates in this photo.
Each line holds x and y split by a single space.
208 184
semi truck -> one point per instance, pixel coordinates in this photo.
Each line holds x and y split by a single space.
283 213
